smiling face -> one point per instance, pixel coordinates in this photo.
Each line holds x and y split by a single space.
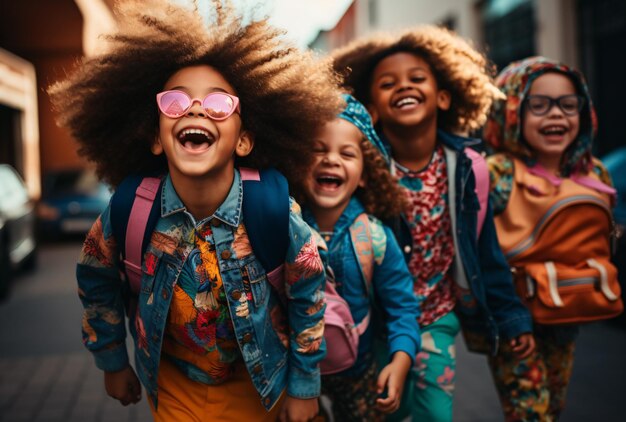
338 167
195 145
550 135
404 92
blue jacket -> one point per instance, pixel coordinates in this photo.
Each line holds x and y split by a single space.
392 285
277 356
479 264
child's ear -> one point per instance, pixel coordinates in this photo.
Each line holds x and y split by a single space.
444 98
245 144
373 114
156 147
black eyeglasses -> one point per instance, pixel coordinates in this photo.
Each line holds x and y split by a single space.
570 105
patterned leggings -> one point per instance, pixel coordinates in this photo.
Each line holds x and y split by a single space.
354 397
534 388
429 388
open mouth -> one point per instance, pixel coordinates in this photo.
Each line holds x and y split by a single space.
328 182
195 139
553 130
407 102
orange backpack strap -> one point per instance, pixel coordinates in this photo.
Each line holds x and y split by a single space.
361 234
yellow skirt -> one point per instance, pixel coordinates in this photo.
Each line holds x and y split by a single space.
182 399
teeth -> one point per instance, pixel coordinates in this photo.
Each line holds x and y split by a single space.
329 179
194 132
405 101
553 130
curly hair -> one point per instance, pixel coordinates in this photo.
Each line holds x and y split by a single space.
458 68
108 103
382 196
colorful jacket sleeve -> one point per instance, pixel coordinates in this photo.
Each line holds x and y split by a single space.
500 181
393 290
100 291
305 282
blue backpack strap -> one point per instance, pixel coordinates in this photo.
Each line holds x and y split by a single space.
266 216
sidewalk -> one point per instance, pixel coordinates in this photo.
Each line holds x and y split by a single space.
66 388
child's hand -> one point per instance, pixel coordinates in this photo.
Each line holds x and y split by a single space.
392 378
123 385
299 410
523 345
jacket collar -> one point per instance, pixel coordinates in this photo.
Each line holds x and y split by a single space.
452 141
352 211
228 212
456 142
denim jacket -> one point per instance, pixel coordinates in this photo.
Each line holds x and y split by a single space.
392 285
279 353
479 263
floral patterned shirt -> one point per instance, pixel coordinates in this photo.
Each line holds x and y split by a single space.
199 334
428 216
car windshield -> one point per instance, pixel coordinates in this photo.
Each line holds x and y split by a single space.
72 182
12 190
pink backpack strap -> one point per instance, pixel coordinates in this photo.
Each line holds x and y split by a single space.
139 213
481 176
249 174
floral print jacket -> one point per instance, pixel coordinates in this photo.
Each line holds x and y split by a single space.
281 345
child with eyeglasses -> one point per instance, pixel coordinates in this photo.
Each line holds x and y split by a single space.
423 87
551 201
213 340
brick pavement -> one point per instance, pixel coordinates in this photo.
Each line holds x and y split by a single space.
63 388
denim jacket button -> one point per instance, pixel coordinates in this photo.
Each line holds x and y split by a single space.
407 249
164 293
247 337
236 294
226 254
266 401
257 368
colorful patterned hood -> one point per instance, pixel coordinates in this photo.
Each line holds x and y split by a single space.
503 128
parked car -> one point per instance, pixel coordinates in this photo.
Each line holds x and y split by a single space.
71 201
18 245
615 163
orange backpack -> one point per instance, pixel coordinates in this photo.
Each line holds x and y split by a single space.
555 237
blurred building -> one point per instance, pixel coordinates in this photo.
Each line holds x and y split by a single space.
40 41
589 34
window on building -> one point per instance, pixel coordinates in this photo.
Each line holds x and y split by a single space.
509 30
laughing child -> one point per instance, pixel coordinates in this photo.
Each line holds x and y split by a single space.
194 102
423 87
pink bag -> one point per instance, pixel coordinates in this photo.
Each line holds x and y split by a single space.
340 332
342 336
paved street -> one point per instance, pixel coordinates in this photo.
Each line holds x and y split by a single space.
45 374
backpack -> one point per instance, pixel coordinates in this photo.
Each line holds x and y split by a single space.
560 261
481 177
135 211
341 333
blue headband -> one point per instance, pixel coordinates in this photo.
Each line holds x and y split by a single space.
357 114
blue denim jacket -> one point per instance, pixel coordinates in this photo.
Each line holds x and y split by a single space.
479 264
392 285
278 354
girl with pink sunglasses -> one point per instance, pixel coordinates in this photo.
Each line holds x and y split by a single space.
212 338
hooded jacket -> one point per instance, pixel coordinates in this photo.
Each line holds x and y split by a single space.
503 131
